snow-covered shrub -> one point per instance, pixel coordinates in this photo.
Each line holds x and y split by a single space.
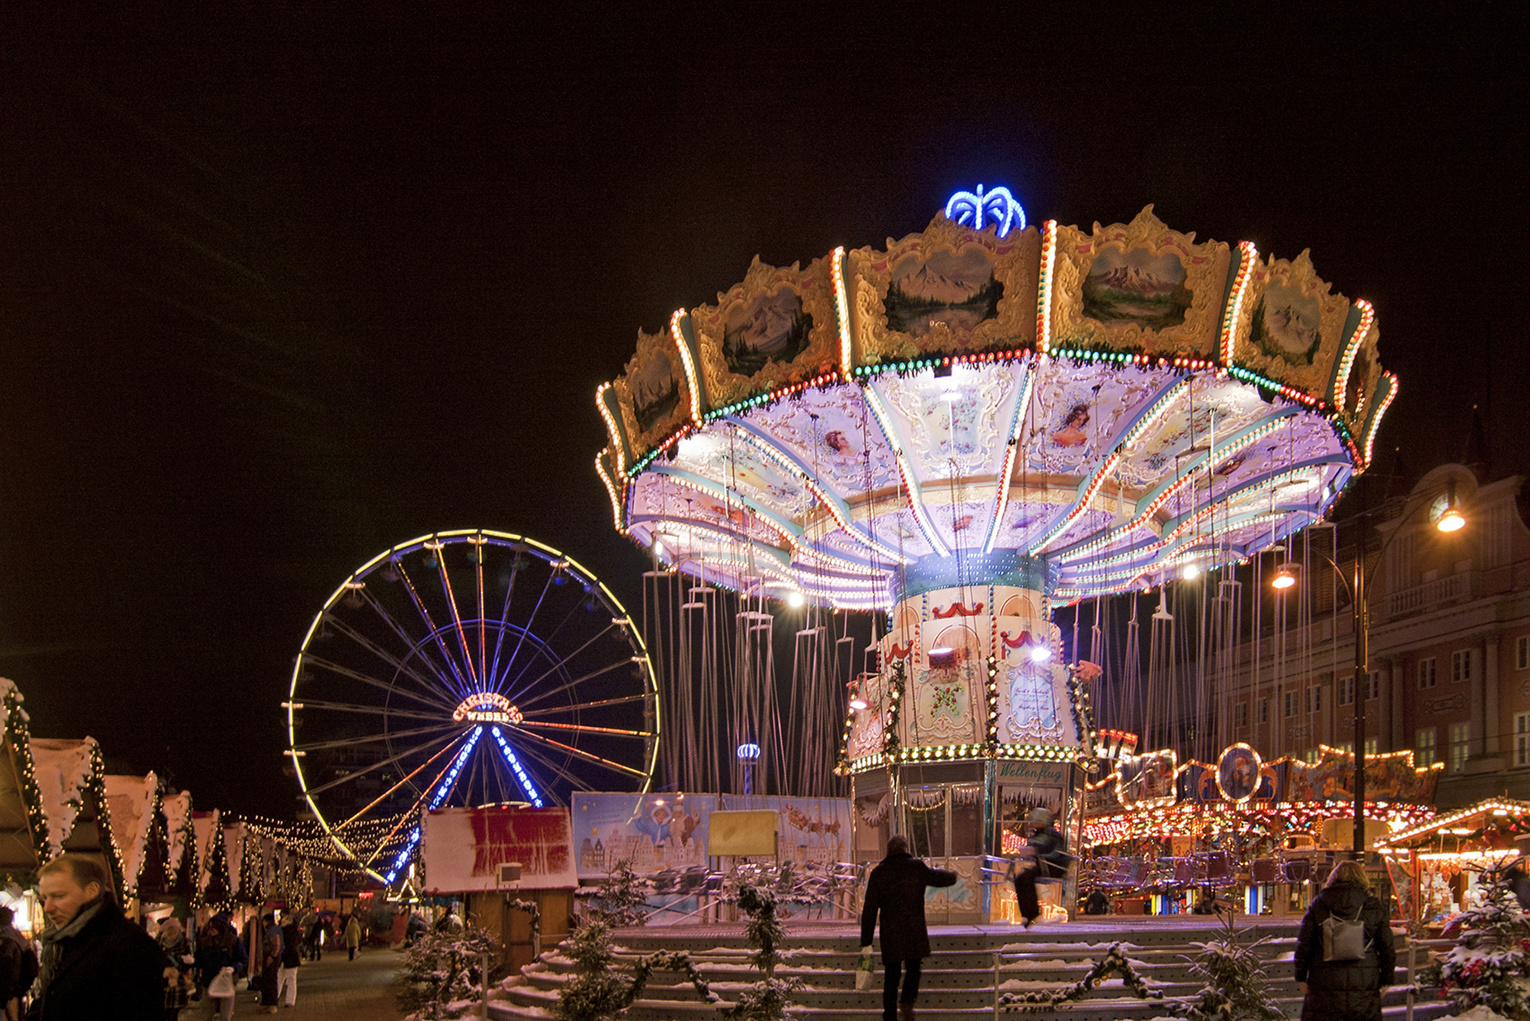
442 974
1486 965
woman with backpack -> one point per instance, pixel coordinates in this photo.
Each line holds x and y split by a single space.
1344 954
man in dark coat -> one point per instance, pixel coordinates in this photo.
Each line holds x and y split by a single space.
95 963
896 891
1345 990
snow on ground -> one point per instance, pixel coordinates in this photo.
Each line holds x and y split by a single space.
1476 1014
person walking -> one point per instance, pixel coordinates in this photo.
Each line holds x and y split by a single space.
896 892
292 957
1345 990
352 936
18 965
95 963
316 937
220 951
172 940
270 963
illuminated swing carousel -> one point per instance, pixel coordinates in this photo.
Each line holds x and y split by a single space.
967 426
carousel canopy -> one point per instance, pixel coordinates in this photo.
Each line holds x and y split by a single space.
1074 411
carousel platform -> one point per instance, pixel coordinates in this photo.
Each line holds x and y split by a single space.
958 978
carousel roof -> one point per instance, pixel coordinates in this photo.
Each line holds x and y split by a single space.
1095 409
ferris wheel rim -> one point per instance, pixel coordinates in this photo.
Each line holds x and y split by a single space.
555 559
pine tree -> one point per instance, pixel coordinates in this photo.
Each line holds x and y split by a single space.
1486 965
620 897
444 968
768 998
1234 981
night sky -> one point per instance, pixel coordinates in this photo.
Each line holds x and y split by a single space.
280 290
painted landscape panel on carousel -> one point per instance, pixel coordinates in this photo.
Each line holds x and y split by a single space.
957 290
1136 287
774 329
1293 325
653 393
946 290
1222 409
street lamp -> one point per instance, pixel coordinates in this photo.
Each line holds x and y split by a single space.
1450 520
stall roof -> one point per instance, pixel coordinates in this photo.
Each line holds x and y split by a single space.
1504 815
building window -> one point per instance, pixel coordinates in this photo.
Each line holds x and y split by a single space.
1522 652
1460 666
1315 698
1426 672
1424 746
1522 739
1373 746
1375 691
1264 710
1291 705
1347 747
1240 716
1460 736
1347 690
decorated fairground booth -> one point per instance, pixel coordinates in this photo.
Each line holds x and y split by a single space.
1435 864
960 430
1163 835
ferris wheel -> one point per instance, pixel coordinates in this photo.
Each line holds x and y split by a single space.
461 668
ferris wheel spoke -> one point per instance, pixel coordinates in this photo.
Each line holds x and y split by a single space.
383 654
366 710
576 681
390 760
483 624
525 629
583 728
351 742
559 771
504 615
566 659
433 701
424 612
623 700
449 746
451 602
580 753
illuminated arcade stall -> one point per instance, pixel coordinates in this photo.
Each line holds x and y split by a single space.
1162 834
1435 864
960 429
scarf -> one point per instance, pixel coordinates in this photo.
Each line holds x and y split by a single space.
53 951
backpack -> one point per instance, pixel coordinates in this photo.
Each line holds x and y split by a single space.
1344 938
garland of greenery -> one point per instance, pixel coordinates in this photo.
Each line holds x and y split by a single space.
667 960
532 909
895 684
1113 963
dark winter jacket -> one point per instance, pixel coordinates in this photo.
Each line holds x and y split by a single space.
110 969
896 890
1345 990
292 945
1052 858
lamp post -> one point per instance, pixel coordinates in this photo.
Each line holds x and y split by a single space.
1450 520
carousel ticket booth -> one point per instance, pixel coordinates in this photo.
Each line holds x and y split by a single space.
971 723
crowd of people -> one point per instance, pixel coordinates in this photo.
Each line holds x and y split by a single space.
90 961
